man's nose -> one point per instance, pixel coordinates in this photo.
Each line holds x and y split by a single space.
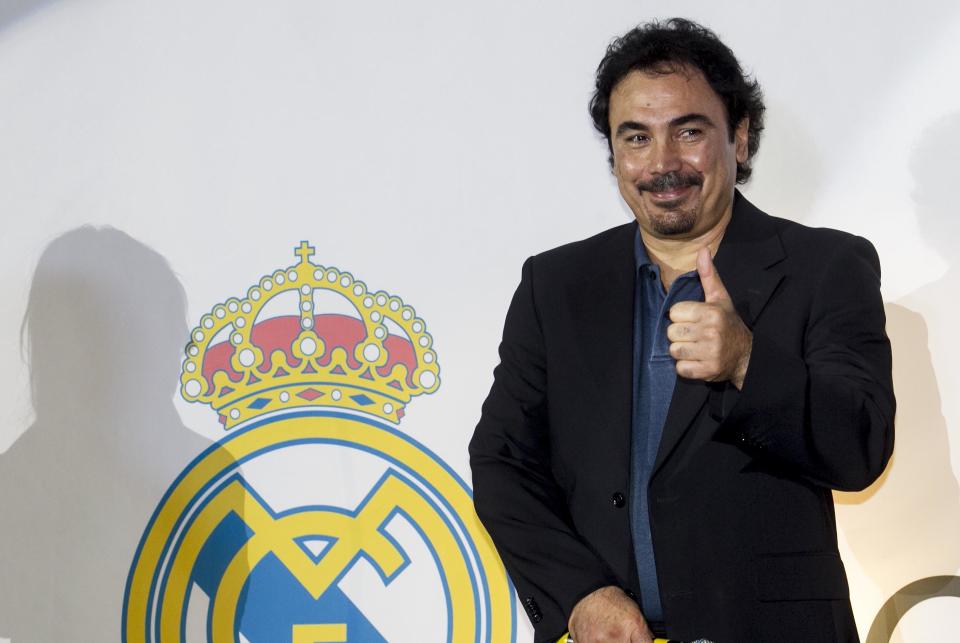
664 157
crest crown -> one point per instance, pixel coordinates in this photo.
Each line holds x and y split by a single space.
246 359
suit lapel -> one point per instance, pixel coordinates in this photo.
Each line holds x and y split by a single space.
602 311
749 249
747 258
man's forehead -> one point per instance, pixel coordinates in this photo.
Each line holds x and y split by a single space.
662 93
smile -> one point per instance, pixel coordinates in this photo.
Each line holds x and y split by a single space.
673 194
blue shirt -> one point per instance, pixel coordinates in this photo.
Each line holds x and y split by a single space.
654 377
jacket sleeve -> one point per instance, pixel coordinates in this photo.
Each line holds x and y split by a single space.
516 495
826 414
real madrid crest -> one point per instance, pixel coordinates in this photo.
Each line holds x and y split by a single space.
315 519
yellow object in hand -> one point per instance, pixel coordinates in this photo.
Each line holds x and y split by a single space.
566 639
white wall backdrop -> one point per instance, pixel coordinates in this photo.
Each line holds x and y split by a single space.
428 148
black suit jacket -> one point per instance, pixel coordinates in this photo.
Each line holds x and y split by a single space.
740 504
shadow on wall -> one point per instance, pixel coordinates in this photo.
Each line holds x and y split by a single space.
104 327
13 10
910 529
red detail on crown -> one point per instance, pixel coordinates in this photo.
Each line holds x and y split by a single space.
278 333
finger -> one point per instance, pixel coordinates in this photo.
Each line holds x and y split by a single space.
681 350
691 369
700 351
686 311
713 289
703 353
697 368
682 332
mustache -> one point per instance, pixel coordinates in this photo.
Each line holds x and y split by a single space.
670 181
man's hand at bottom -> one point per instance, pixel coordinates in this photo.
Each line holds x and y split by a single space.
607 615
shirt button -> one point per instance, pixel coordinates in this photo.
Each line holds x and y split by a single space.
618 500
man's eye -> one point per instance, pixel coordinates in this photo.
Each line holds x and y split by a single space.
690 133
637 138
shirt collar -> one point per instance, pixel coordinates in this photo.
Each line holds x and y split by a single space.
643 259
640 251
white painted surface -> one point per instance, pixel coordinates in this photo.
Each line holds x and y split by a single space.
428 148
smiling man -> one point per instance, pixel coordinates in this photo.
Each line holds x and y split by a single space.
678 396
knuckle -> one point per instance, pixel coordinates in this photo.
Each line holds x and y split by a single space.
683 310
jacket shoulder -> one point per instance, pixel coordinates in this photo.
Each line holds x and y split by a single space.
802 244
814 249
796 235
601 252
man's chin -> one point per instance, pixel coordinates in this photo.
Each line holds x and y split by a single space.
674 226
671 218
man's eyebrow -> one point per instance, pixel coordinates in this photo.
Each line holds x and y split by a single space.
630 126
686 119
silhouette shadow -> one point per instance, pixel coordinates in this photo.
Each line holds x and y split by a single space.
910 528
12 11
104 328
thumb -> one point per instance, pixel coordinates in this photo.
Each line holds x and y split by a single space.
713 288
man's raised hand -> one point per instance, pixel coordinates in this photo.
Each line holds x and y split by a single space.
708 339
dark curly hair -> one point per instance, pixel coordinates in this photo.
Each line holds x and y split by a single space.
662 47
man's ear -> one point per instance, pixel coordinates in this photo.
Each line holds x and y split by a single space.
741 137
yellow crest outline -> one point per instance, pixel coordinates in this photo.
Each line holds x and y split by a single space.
141 607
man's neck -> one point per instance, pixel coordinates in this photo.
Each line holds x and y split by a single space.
675 257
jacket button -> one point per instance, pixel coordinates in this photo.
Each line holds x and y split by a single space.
618 500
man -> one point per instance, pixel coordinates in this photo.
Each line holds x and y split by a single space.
677 397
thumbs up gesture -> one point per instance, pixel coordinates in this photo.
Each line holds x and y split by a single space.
708 339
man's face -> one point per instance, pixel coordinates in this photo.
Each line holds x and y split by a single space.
672 154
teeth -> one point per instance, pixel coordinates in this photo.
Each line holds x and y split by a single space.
668 193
